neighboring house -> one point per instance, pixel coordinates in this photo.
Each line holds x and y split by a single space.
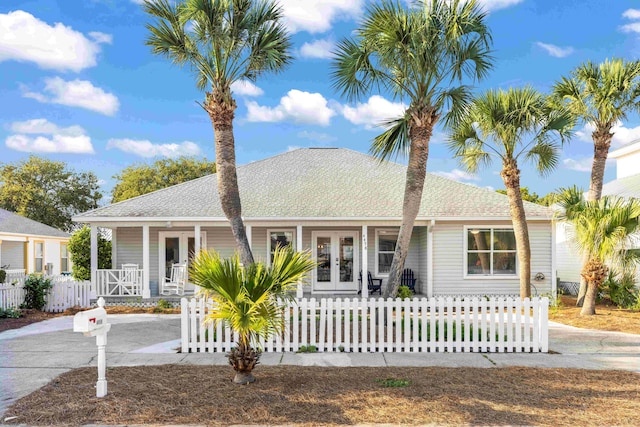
626 184
31 246
346 207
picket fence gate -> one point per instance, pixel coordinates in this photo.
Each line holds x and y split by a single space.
65 293
391 325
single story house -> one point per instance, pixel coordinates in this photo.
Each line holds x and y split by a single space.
346 207
28 246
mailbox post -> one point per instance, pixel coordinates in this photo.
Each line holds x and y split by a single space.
93 323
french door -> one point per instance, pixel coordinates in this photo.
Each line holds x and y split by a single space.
337 255
177 247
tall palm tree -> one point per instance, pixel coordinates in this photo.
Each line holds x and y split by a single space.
601 95
222 42
246 298
420 55
603 232
517 124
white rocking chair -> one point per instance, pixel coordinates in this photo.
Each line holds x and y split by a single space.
175 284
129 284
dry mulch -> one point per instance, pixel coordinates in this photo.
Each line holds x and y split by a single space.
608 317
295 395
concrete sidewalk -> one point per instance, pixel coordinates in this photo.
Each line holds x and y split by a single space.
34 355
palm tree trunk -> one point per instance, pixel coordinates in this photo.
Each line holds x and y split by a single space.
221 110
419 136
601 143
511 177
594 273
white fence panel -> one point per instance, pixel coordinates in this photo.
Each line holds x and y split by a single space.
65 293
392 325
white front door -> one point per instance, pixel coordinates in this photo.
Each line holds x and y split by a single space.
337 255
177 247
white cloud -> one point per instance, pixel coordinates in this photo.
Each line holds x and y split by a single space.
55 140
458 175
317 49
100 38
317 16
25 38
555 51
76 93
580 165
498 4
316 136
246 88
144 148
634 27
621 135
631 14
374 112
297 106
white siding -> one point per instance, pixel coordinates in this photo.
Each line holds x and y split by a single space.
12 254
449 261
568 262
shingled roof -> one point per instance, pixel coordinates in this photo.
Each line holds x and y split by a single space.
629 186
16 224
316 183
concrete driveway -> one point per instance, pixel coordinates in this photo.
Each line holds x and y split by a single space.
34 355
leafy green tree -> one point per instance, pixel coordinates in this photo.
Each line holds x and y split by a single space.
45 191
420 55
80 250
246 298
137 180
604 232
510 126
525 194
601 95
222 42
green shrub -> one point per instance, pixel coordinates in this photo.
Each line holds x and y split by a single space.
393 382
3 276
404 292
36 288
308 349
164 304
621 290
9 313
80 250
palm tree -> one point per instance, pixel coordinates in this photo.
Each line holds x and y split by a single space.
246 298
222 42
513 125
419 55
601 95
603 232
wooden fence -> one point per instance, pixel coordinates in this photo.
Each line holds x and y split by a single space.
391 325
65 293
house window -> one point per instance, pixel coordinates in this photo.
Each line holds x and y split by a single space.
385 248
64 258
491 252
280 238
39 256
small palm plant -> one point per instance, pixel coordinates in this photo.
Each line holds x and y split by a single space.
246 298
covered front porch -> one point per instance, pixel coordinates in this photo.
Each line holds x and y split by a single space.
143 254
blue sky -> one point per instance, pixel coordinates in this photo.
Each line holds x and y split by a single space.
79 85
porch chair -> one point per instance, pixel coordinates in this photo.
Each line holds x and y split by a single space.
374 285
129 281
175 284
408 279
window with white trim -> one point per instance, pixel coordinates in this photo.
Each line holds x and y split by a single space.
64 257
385 248
491 252
39 256
280 238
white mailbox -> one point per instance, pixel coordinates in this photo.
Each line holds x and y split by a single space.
90 320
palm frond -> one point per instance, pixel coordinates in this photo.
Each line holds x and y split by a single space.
392 142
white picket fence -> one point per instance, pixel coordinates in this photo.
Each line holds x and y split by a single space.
391 325
66 293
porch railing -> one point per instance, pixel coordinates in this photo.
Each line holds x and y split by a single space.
391 325
118 282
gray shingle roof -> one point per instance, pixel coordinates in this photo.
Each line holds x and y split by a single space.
317 183
628 186
14 223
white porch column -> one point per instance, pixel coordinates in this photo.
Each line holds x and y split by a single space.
198 247
554 272
114 248
247 230
430 259
299 290
94 254
365 262
146 290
